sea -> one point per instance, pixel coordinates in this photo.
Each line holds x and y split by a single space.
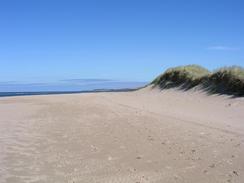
12 94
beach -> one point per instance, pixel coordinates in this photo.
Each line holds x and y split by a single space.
122 137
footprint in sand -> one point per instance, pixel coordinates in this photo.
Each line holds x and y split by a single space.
231 175
235 172
193 150
138 157
94 148
205 171
150 138
238 145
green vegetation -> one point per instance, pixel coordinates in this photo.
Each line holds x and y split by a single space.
227 80
183 76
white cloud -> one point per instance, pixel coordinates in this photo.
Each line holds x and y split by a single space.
222 48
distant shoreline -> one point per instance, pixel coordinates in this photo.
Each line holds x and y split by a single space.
15 94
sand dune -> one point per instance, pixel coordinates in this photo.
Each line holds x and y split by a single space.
128 137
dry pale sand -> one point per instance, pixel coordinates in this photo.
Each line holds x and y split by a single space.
133 137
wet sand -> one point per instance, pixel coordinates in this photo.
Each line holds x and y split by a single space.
128 137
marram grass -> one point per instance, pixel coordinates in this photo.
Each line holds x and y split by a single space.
229 80
226 80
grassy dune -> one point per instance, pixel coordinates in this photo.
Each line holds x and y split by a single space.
226 80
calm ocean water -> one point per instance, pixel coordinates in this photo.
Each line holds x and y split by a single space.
11 94
66 87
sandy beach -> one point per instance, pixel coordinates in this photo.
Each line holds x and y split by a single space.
123 137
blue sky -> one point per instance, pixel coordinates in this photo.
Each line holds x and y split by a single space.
48 41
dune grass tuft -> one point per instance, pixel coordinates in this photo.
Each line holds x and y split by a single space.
226 80
229 80
184 76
